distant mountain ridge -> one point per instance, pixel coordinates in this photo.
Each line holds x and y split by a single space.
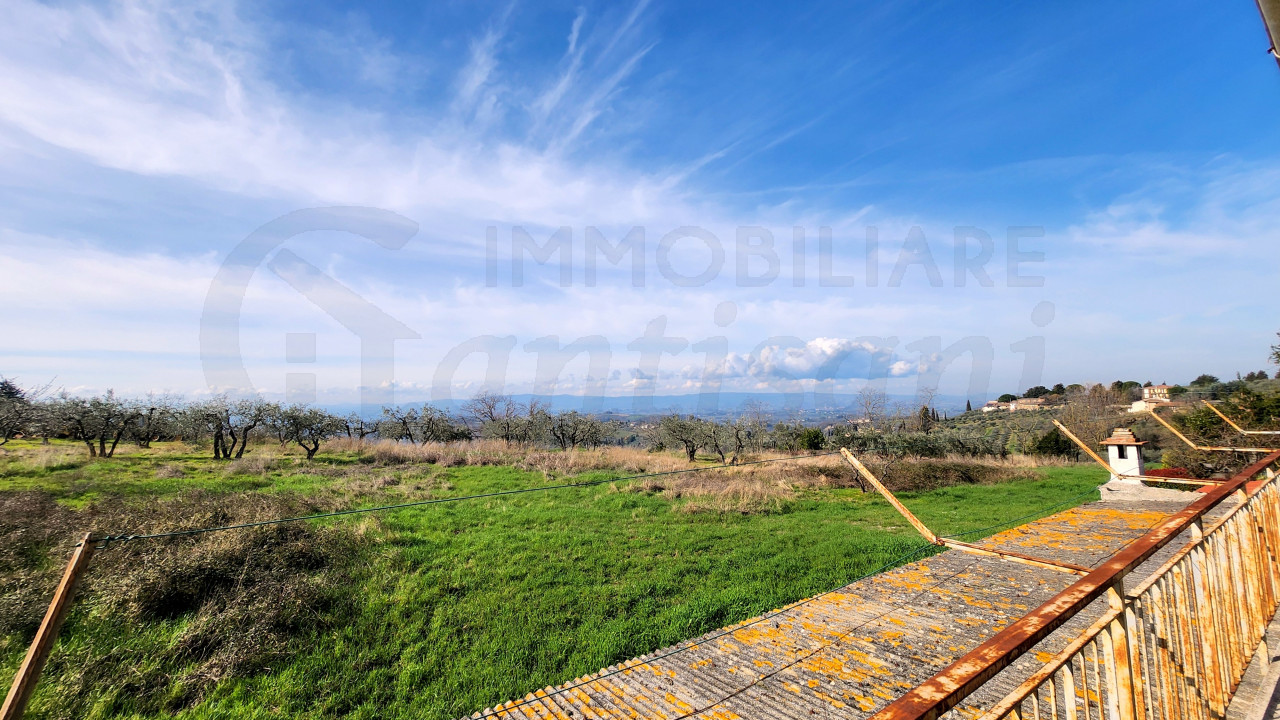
711 405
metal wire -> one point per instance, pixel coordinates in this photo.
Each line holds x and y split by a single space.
436 501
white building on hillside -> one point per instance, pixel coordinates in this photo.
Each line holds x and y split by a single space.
1028 404
1156 396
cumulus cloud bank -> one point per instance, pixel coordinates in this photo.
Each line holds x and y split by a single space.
822 358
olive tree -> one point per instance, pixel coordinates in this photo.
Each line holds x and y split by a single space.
230 422
572 429
686 432
785 436
436 425
726 440
497 416
99 422
398 424
357 427
274 423
753 425
430 424
532 426
154 421
16 409
309 427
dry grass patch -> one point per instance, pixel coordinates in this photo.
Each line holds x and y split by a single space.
920 475
42 458
745 488
246 596
170 471
256 463
764 488
720 491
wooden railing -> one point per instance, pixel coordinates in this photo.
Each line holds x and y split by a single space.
1174 646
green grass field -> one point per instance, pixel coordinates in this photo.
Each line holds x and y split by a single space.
439 611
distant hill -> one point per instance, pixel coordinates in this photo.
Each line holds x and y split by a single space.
725 403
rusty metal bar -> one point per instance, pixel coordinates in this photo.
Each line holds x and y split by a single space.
947 542
1081 444
1143 478
879 486
1175 481
1014 557
1220 414
1198 534
1203 448
1239 429
959 680
1173 430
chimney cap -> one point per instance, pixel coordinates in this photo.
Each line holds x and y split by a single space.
1123 436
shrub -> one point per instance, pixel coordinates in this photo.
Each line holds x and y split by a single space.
811 439
246 597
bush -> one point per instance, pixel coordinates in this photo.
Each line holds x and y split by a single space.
811 439
244 598
931 475
918 444
1055 444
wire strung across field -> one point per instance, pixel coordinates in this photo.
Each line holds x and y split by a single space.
107 540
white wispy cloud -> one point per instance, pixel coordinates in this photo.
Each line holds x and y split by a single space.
160 91
181 96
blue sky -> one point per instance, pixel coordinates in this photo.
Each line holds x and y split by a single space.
141 142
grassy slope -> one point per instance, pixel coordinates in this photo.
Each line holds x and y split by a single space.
463 605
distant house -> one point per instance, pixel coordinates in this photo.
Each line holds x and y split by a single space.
1156 396
1028 404
994 406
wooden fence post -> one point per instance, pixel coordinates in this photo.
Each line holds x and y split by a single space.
29 672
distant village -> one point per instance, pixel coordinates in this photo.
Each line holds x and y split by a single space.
1153 397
